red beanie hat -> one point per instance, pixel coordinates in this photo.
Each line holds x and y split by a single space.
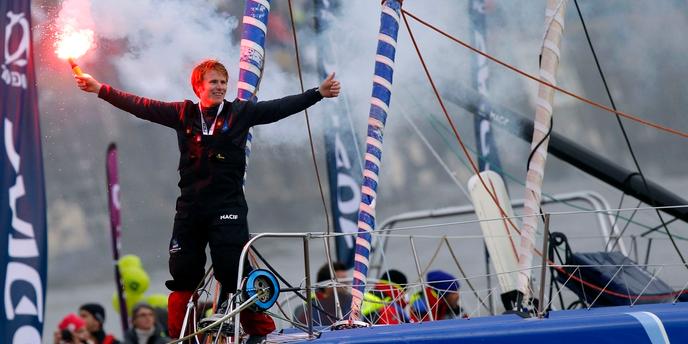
71 322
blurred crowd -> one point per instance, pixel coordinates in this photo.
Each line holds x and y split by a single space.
87 326
147 314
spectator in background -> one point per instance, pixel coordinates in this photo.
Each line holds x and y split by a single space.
94 316
385 303
71 330
145 327
324 305
443 296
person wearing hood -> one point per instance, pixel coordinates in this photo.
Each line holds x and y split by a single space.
443 295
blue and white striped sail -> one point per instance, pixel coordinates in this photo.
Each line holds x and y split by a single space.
379 107
252 58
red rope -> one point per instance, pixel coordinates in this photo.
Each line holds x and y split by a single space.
529 76
494 198
613 293
453 127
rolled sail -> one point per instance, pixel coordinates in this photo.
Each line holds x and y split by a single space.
379 107
554 28
252 56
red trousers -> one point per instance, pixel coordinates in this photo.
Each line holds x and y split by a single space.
253 323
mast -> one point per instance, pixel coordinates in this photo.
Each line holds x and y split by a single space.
549 62
252 57
379 107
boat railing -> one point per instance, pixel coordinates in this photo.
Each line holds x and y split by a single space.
607 223
571 276
602 215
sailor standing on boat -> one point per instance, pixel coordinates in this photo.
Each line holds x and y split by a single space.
211 209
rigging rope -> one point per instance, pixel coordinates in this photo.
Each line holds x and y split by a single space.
623 129
308 123
628 220
472 163
434 153
529 76
451 123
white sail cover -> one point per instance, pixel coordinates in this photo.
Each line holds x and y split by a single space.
501 238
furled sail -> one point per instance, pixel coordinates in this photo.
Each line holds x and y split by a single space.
379 107
549 62
252 56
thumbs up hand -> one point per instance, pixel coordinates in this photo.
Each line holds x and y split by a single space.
330 87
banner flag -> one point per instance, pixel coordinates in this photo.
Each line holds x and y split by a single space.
23 234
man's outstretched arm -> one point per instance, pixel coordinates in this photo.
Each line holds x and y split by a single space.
167 114
274 110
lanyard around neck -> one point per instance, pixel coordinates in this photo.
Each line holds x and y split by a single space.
204 127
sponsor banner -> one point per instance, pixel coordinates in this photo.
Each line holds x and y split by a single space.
23 236
480 74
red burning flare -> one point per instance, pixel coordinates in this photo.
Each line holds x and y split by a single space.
72 44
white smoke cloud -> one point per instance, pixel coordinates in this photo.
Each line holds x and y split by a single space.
164 40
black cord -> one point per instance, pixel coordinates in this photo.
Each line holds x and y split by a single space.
654 229
289 285
623 130
532 152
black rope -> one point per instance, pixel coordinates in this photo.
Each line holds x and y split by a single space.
308 122
532 152
549 132
289 285
623 130
657 227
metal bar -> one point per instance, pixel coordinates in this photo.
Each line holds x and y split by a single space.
422 282
598 202
463 274
242 259
309 299
488 276
236 311
543 269
595 200
337 305
647 252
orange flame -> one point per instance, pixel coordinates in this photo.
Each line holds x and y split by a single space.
73 43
